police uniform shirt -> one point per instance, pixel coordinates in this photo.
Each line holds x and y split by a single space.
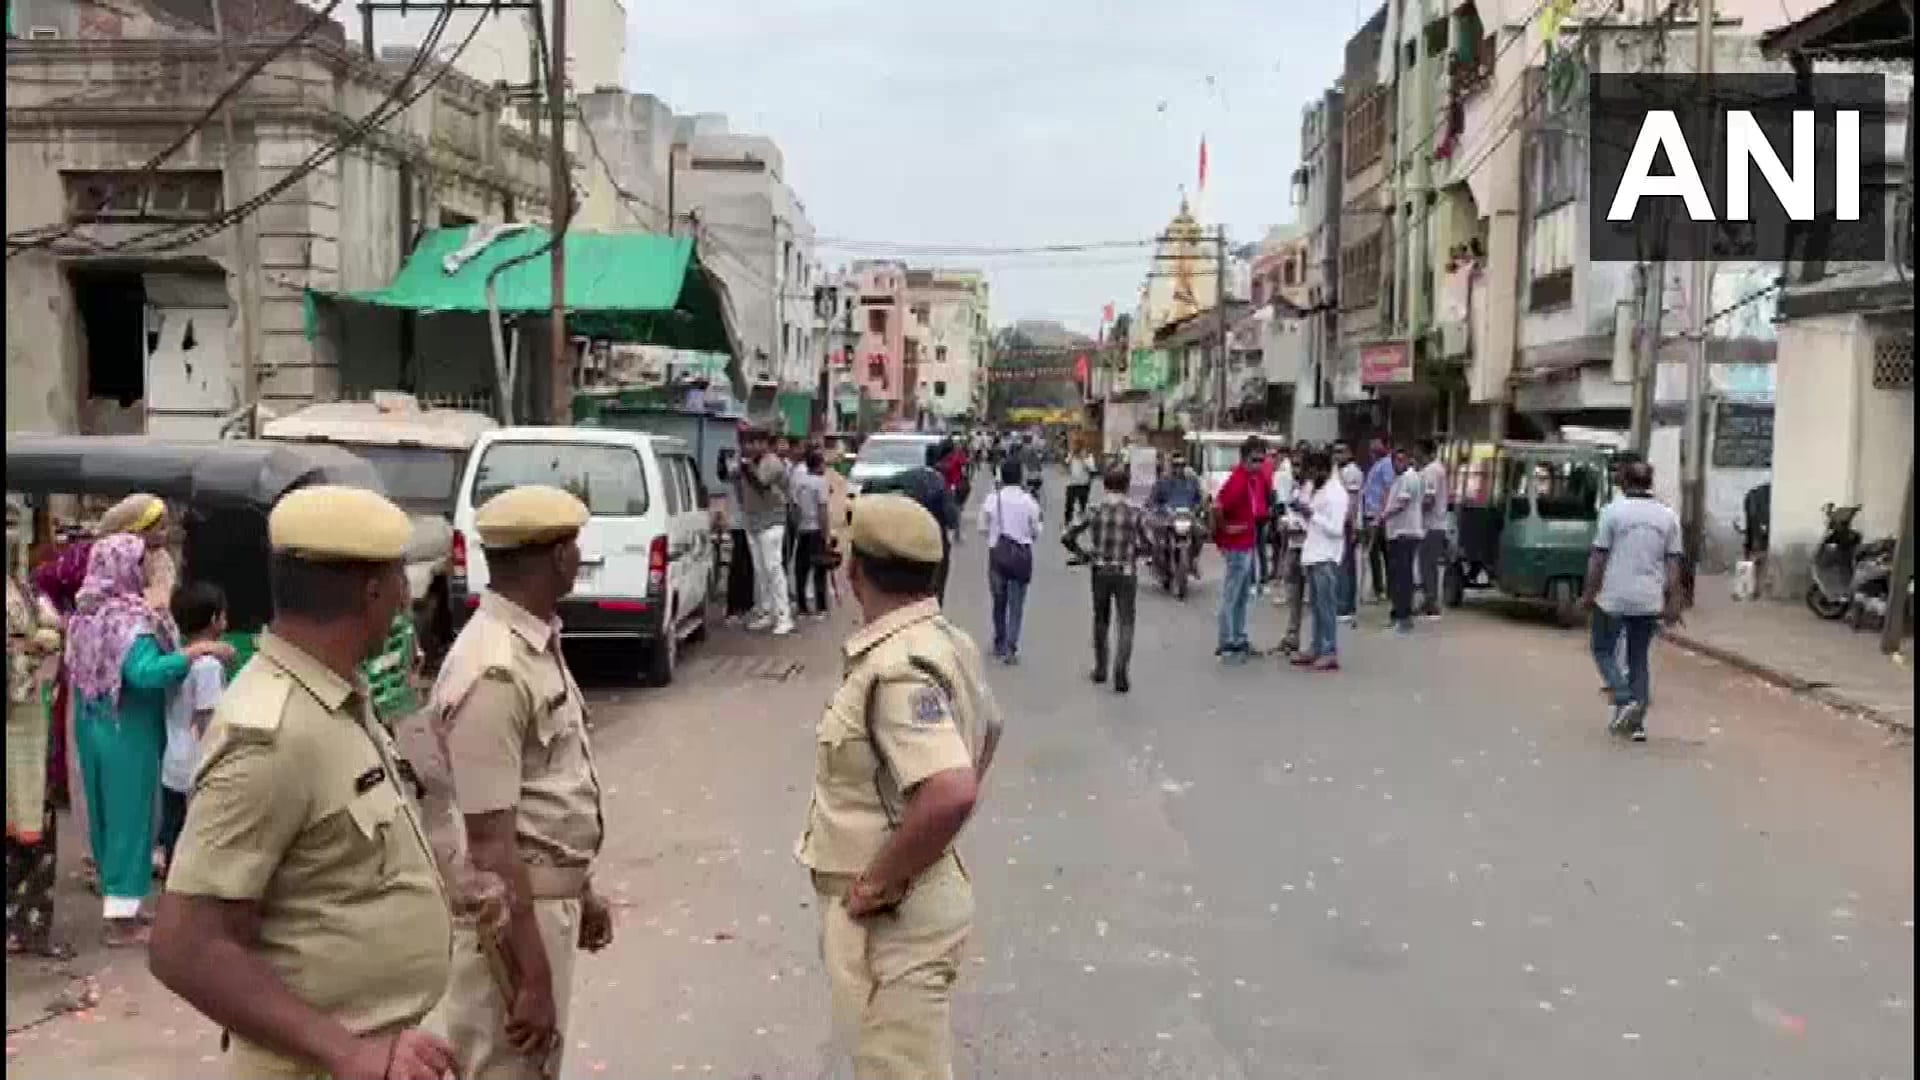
297 806
516 733
923 723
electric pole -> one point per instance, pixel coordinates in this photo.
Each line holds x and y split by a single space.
1220 327
560 408
1693 457
1649 293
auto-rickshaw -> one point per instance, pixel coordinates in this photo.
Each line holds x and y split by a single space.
227 489
1525 514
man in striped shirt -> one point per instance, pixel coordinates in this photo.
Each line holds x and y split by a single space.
1122 535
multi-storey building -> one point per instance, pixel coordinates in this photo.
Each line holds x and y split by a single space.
731 190
1369 356
1317 190
879 363
948 330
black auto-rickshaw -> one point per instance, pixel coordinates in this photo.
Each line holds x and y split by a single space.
227 489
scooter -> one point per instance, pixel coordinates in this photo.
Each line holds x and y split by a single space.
1830 593
1872 578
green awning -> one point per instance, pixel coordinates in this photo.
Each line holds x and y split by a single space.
634 287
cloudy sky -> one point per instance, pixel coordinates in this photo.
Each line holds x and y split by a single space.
1006 124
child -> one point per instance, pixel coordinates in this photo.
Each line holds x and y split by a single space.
200 610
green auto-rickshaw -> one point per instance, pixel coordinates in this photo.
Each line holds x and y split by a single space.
226 489
1525 515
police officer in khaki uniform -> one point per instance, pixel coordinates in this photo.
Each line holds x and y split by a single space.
304 912
512 724
901 751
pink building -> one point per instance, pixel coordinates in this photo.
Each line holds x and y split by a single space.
880 364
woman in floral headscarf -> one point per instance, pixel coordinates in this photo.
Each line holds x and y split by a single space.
59 580
121 663
33 651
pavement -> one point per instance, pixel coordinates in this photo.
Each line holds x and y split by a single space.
1788 646
1435 863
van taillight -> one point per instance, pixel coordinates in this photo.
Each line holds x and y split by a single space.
657 567
457 558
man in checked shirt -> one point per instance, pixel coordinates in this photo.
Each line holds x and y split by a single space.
1122 535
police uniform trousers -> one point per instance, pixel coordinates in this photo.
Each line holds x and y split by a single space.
250 1061
892 975
472 1017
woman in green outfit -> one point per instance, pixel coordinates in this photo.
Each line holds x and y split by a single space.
122 661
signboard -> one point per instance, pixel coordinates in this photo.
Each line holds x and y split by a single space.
1742 435
1147 369
1387 364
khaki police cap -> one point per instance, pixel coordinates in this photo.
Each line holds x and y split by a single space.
339 524
894 527
528 515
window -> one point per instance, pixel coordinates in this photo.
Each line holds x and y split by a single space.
131 195
608 479
417 479
940 355
921 314
940 388
1360 273
1366 128
1556 170
671 481
876 322
695 483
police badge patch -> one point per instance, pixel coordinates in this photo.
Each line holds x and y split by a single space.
929 706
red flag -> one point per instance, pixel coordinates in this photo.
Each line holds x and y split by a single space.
1106 314
1203 163
1080 368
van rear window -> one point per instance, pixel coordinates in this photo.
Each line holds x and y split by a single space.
609 479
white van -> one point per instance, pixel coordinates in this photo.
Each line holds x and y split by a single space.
646 555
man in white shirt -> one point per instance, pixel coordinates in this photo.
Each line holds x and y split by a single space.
1434 503
1013 516
1351 479
1325 546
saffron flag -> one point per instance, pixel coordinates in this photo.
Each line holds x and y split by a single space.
1106 314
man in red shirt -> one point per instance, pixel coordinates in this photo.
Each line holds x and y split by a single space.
1237 513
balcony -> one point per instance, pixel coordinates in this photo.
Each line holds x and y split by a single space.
1467 76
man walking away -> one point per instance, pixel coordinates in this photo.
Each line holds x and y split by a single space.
1373 503
1010 518
1633 579
1351 479
1079 483
1401 521
764 491
1322 550
1122 535
1238 511
810 553
1433 513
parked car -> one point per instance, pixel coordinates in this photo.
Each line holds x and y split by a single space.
419 454
647 551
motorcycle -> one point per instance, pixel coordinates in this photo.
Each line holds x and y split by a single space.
1830 593
1174 558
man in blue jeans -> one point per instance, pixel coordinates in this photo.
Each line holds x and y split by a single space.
1633 578
1237 513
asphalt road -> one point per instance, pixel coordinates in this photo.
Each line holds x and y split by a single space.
1435 863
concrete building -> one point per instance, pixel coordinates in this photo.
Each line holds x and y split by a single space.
1843 427
731 190
629 185
880 368
1317 192
141 309
948 329
1279 326
1369 357
505 50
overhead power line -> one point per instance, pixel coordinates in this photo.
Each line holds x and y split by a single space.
172 238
